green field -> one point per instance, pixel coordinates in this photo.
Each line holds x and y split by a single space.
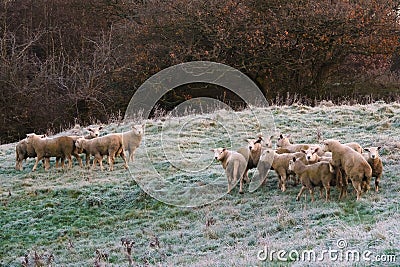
78 217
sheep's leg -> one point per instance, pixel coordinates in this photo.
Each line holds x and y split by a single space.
357 187
327 192
87 159
377 180
94 163
283 179
18 165
311 189
300 193
62 162
100 160
38 158
366 184
124 158
246 176
241 185
229 178
69 161
78 158
111 159
46 163
321 188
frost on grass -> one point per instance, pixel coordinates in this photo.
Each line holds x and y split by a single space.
81 216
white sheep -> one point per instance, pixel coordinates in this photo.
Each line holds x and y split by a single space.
252 153
285 146
355 167
62 147
317 174
375 161
93 133
132 140
108 145
355 146
234 164
280 165
23 151
311 156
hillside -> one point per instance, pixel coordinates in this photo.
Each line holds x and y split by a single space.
78 217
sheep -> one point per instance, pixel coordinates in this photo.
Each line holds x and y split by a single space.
23 151
311 156
355 166
131 140
283 142
93 132
284 146
375 162
280 165
356 146
62 147
109 145
234 164
252 153
317 174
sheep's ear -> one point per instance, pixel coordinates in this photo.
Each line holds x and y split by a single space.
379 147
101 127
90 130
223 149
280 136
271 137
294 159
366 149
303 151
212 150
316 150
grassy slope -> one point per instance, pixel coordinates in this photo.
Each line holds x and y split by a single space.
73 213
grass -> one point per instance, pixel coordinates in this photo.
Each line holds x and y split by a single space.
78 217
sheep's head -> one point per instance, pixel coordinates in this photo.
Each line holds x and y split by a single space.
94 132
265 142
328 144
255 144
283 141
137 129
31 136
311 153
292 163
219 153
268 142
373 152
267 155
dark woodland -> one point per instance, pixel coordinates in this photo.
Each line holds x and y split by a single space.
66 62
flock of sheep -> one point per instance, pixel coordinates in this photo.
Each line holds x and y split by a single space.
313 165
64 147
